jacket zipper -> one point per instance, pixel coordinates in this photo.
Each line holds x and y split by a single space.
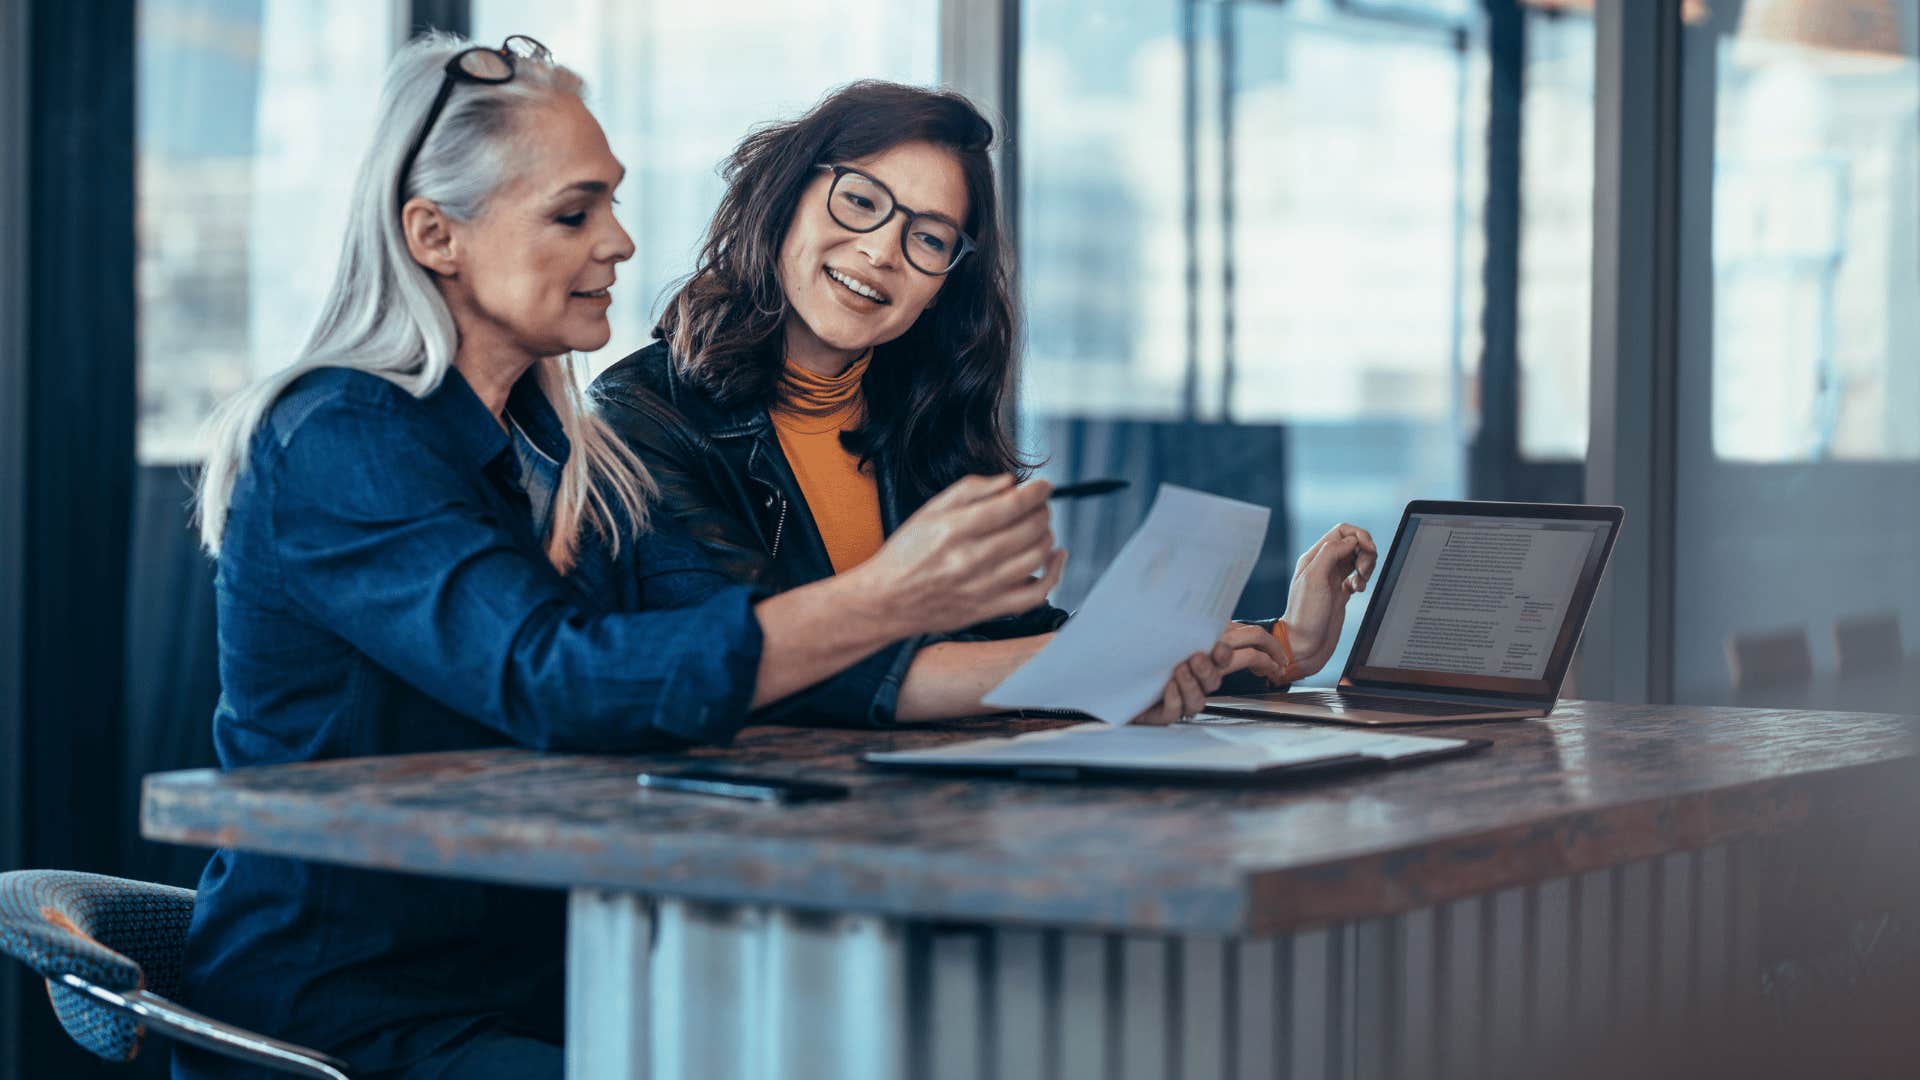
779 528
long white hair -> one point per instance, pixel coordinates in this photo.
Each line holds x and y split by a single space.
383 314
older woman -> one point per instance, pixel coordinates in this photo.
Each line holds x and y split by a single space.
427 542
843 349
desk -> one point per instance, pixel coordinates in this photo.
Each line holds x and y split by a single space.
1600 866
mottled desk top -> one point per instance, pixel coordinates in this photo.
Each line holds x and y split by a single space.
1593 786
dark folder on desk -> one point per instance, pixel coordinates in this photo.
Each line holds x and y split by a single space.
1211 748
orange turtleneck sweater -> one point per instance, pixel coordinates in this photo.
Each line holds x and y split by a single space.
844 498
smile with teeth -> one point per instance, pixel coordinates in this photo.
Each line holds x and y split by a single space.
857 288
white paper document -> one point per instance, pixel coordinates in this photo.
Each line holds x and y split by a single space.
1168 595
1243 748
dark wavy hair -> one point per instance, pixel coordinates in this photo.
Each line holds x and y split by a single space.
936 395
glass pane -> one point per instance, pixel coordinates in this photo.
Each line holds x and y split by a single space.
677 85
252 118
1556 237
1797 496
1814 226
1253 244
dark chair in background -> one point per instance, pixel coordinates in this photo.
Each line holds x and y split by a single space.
1868 643
110 950
1770 660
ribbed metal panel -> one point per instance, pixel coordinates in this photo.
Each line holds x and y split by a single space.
1483 985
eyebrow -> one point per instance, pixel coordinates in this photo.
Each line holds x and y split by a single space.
937 215
589 187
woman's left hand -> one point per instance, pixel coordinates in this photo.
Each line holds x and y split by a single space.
1241 648
1332 571
1186 691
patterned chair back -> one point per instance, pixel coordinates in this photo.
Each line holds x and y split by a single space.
118 934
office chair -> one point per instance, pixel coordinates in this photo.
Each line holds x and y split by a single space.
110 949
1868 643
1770 659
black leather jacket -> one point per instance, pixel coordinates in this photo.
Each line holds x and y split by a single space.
724 478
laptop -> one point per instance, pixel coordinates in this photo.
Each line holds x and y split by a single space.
1474 616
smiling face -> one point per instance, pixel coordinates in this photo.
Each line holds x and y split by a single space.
847 291
530 276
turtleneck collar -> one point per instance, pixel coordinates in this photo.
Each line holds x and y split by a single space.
831 400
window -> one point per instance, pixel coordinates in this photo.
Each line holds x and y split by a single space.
1255 248
1556 237
676 86
252 119
1815 228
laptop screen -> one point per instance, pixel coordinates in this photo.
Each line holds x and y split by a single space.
1487 598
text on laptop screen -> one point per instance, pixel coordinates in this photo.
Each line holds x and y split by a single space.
1482 602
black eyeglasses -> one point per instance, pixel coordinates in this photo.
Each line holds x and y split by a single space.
476 65
858 202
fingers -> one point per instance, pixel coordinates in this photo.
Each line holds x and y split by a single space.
1367 559
1206 671
1036 593
1346 555
1256 662
1016 569
967 490
1188 678
1257 642
1003 507
1017 536
1163 712
1024 592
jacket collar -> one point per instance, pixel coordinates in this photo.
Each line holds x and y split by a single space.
478 437
469 425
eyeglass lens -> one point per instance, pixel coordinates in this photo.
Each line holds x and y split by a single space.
486 65
860 204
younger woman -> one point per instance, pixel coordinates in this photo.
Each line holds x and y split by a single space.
843 350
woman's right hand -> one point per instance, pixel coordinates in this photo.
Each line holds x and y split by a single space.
970 554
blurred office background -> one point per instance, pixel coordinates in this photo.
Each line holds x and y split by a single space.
1325 255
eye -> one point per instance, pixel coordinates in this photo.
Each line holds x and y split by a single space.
573 220
931 242
858 200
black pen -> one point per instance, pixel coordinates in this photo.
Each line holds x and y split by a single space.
1087 489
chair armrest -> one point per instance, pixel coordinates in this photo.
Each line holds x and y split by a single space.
185 1025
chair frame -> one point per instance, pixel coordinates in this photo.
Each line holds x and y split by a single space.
184 1025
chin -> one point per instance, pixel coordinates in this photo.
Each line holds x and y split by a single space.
590 340
843 334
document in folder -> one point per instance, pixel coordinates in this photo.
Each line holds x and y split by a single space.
1168 595
1209 746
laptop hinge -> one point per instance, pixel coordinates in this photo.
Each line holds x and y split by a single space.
1451 697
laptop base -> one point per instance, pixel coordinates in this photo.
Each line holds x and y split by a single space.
1280 705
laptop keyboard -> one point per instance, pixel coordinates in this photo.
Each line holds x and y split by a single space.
1338 701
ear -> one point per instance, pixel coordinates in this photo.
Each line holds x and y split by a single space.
429 237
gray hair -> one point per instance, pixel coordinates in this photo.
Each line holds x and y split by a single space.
384 316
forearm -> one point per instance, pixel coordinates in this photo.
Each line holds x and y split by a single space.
819 630
948 679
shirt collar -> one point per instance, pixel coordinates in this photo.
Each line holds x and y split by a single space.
475 433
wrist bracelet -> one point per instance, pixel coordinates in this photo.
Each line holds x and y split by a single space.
1280 634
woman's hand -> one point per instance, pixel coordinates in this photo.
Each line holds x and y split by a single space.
981 549
1193 679
1331 572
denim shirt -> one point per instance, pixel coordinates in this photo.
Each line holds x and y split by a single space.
383 589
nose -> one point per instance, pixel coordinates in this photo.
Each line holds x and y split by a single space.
882 246
615 245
